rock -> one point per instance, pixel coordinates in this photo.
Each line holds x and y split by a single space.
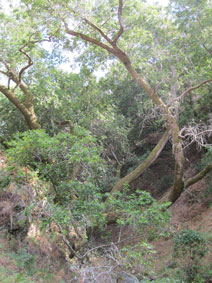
127 278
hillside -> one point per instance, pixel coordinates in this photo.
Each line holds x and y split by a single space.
28 257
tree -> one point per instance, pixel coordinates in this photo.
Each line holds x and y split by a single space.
15 38
87 23
171 75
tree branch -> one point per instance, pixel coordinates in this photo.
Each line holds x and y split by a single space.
208 50
198 176
98 29
89 39
121 30
144 165
188 90
10 95
5 64
30 63
95 28
4 73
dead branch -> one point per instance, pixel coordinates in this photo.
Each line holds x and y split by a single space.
196 133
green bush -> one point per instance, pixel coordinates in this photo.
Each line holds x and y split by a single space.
5 179
67 161
190 247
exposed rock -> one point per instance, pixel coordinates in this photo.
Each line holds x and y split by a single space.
127 278
12 216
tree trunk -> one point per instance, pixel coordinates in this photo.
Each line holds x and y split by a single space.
172 122
142 167
179 167
26 108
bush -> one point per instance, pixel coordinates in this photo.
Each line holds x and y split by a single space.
190 247
65 160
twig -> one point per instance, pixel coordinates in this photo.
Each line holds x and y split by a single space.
113 153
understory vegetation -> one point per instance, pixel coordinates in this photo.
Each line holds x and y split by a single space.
105 141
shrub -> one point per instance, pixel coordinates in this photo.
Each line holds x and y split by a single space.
69 162
189 248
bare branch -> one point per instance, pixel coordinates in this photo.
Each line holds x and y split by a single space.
189 90
196 133
121 30
67 243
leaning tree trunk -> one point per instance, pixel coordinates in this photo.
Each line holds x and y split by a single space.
27 107
144 165
178 183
